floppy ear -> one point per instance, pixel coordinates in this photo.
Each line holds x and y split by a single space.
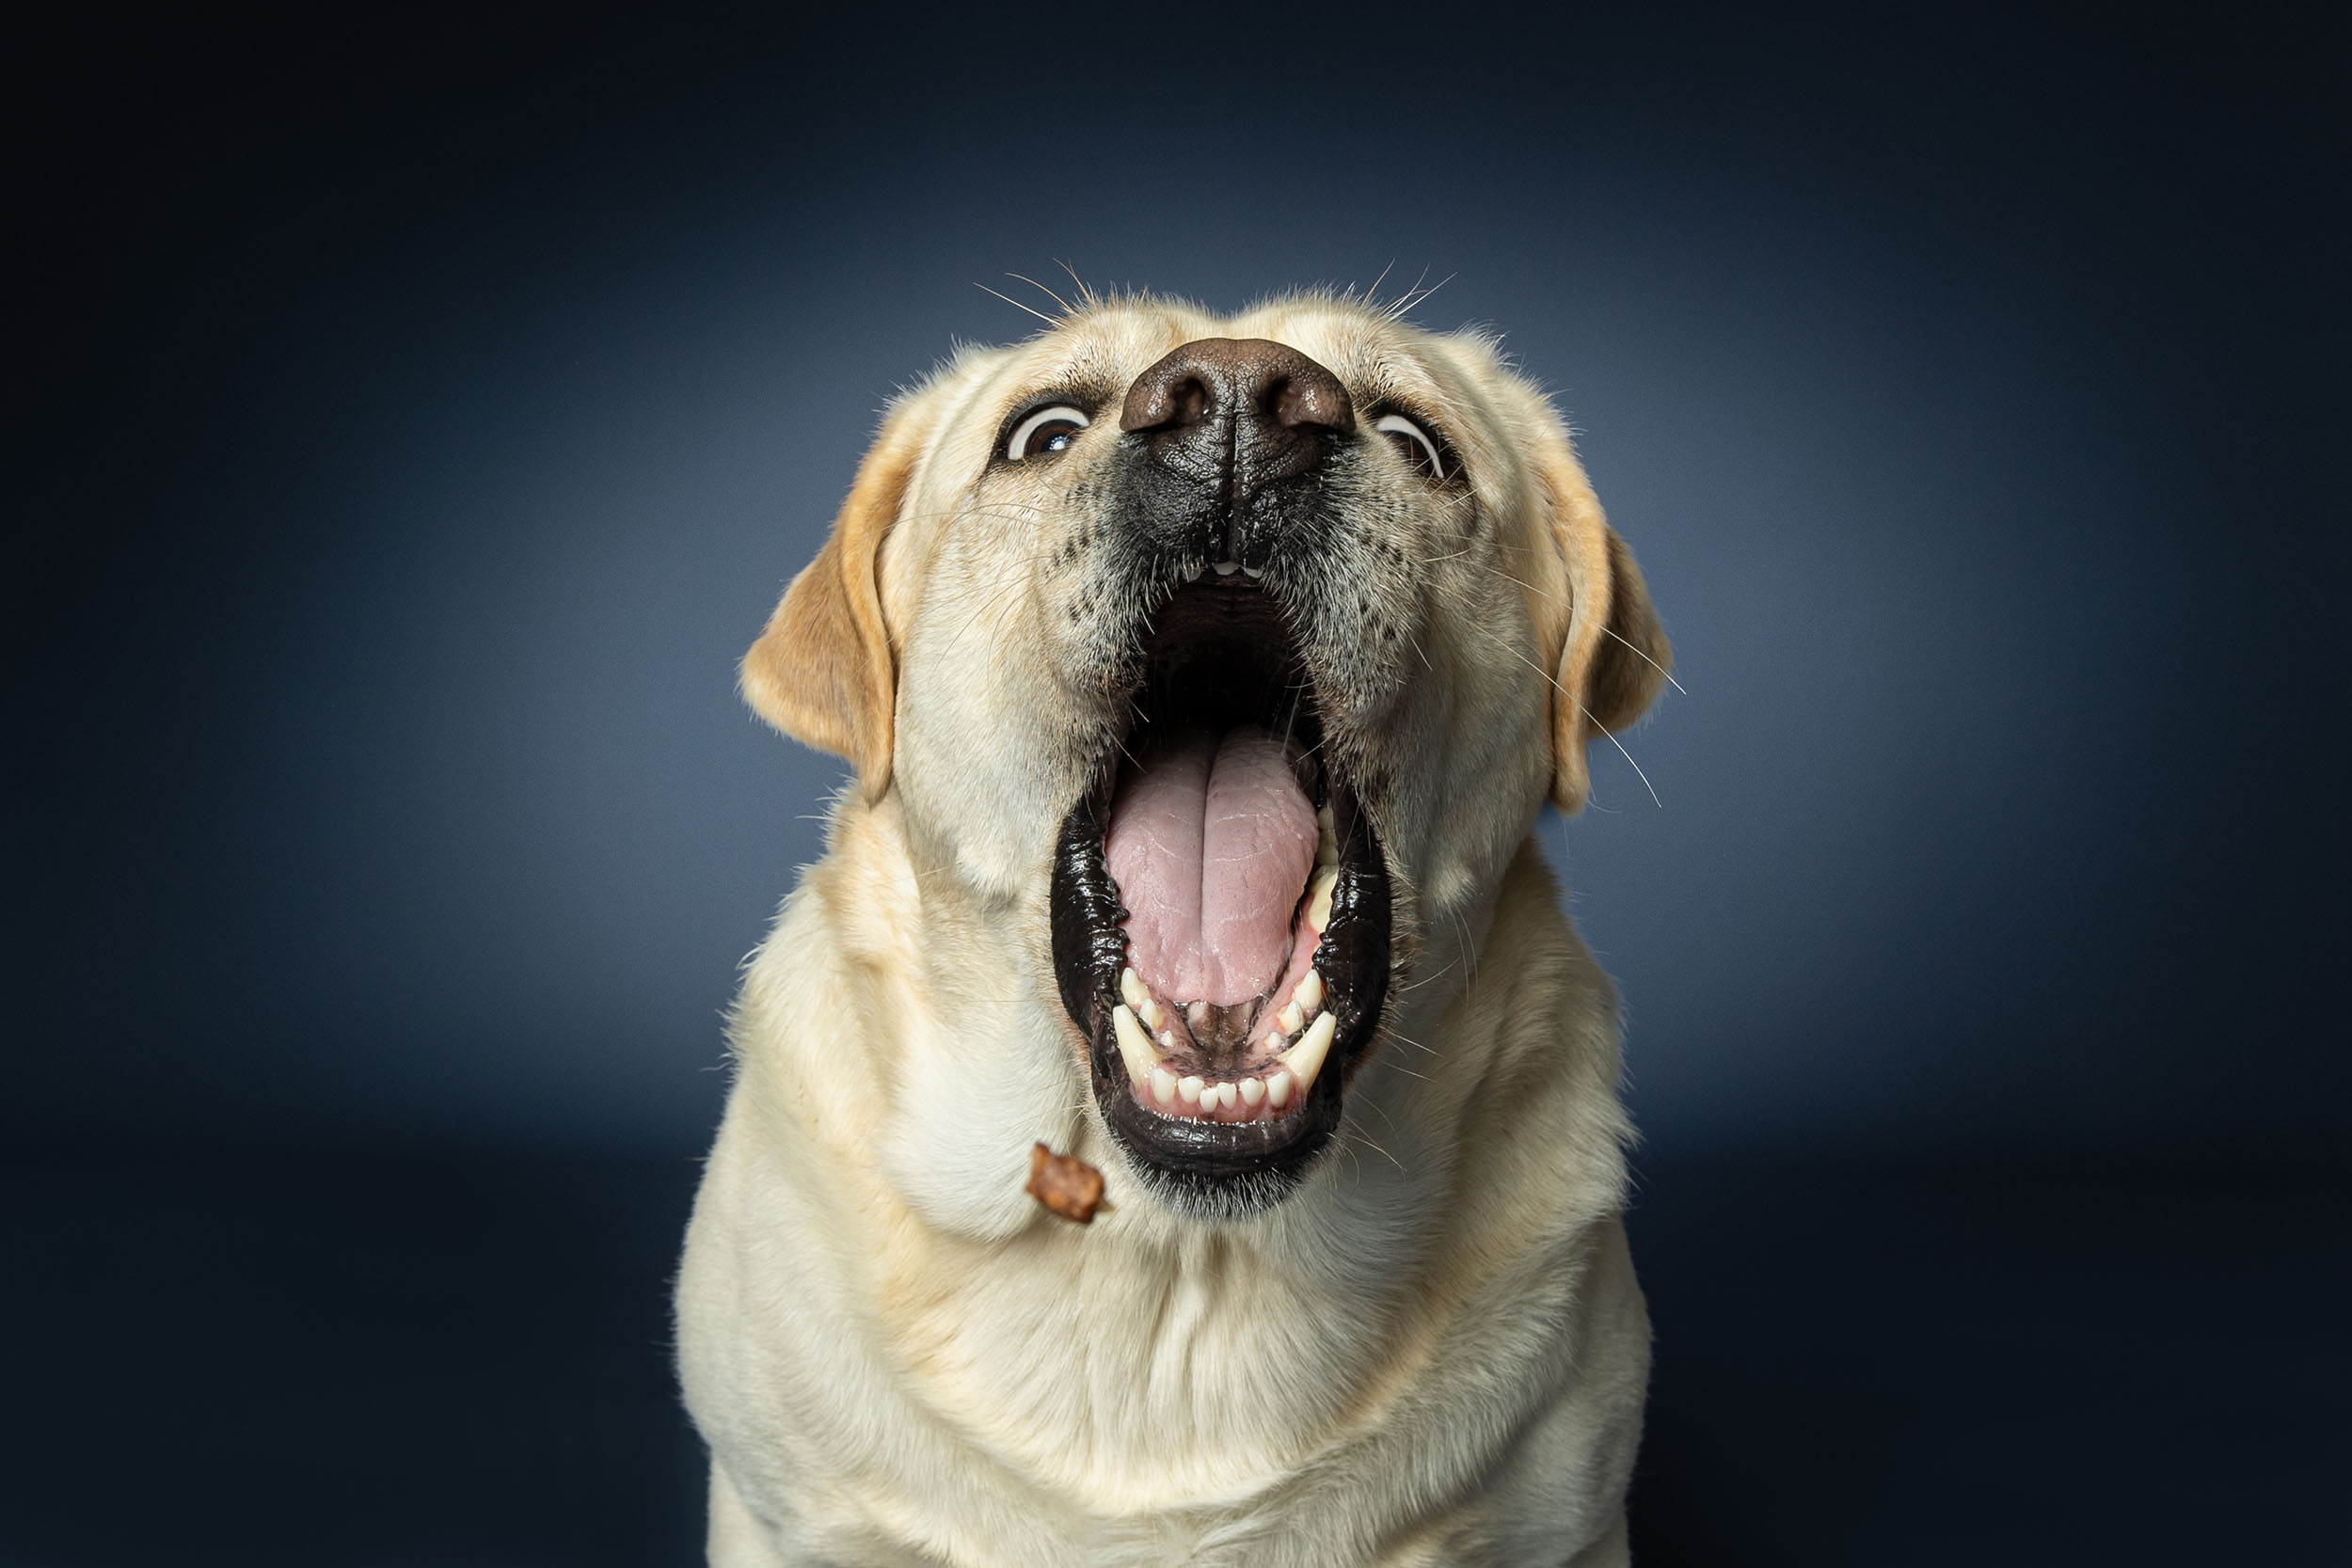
1614 656
824 671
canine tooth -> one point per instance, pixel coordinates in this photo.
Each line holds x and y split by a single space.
1226 1097
1325 822
1252 1090
1319 897
1135 1046
1189 1090
1131 987
1308 994
1227 568
1278 1088
1305 1059
1163 1085
1292 1017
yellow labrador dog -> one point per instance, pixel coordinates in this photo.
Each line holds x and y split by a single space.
1204 678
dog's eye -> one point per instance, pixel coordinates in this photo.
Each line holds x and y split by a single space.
1414 442
1049 429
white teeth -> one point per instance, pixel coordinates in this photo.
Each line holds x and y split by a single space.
1227 568
1305 1059
1168 1039
1226 1097
1197 1016
1192 573
1328 838
1252 1090
1253 571
1275 1041
1155 1016
1134 1047
1189 1090
1278 1090
1163 1085
1131 987
1319 897
1292 1017
1308 993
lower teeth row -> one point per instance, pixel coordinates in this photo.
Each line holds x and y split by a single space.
1294 1074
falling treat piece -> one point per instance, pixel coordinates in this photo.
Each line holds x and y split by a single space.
1066 1185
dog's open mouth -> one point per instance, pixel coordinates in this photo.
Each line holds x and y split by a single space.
1220 905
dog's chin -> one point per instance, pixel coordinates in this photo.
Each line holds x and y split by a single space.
1221 1100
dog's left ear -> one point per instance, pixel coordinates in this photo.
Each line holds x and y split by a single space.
824 671
1614 654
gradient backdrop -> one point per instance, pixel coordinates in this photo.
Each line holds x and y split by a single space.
415 418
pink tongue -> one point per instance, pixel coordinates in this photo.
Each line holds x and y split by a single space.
1211 840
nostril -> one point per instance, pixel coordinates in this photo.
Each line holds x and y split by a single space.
1192 399
1171 395
1315 399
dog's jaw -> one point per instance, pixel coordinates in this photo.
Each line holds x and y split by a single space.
1220 1107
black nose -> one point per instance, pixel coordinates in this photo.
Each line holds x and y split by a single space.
1243 410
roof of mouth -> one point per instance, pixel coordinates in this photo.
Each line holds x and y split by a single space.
1224 656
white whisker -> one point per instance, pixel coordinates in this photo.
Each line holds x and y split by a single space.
1597 725
1651 662
1017 305
1084 292
1366 1137
1043 289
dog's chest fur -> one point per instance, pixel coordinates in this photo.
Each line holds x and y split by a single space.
1145 1382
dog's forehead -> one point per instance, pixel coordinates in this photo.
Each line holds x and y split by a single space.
1102 348
1369 350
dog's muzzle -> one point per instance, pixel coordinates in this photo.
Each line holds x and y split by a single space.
1220 902
1237 430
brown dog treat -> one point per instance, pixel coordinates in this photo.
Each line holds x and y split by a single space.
1066 1185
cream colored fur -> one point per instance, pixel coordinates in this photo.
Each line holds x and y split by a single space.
1434 1351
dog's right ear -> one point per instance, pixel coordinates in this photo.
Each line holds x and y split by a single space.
824 672
1613 656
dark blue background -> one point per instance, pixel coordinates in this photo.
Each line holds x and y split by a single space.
415 418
